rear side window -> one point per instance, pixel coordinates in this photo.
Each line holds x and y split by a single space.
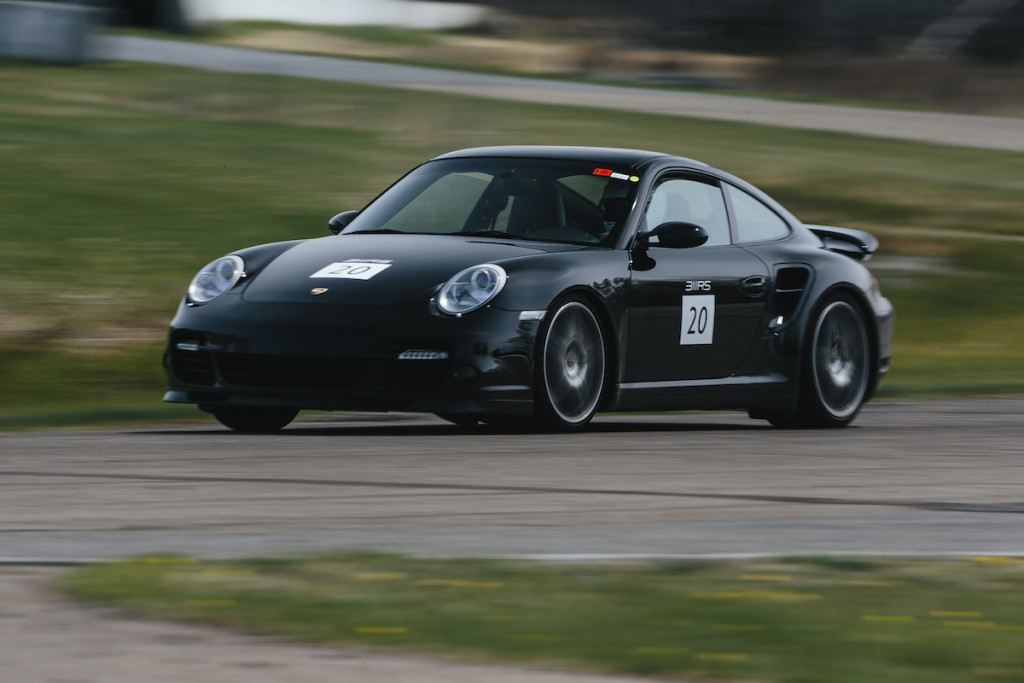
755 222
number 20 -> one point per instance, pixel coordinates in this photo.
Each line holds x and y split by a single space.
698 321
350 270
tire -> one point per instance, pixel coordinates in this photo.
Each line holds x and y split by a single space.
836 372
254 419
570 368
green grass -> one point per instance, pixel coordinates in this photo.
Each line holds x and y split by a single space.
120 180
794 620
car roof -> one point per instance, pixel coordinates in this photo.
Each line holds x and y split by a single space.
606 155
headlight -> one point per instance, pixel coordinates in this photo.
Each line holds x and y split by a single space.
471 289
215 279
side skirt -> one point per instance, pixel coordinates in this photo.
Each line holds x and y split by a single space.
774 391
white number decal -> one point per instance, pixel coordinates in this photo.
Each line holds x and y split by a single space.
698 320
351 270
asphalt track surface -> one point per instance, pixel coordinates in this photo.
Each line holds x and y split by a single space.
910 478
930 477
988 132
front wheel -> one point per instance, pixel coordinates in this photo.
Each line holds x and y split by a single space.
571 367
254 419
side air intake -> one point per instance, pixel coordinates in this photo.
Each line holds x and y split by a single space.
790 284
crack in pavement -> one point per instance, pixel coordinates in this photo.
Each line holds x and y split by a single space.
940 506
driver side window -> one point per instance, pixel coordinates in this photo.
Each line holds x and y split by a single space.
689 201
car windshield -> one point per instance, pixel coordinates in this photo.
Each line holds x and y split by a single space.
575 202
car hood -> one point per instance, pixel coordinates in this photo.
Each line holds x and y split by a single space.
374 270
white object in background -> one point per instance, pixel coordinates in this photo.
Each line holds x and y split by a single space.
402 13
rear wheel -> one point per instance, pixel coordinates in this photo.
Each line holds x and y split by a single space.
841 364
254 419
836 369
571 367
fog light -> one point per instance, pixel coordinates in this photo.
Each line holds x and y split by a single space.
422 354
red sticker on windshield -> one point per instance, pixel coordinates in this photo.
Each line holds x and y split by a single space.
612 174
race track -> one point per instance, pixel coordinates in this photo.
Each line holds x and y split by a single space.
930 477
985 132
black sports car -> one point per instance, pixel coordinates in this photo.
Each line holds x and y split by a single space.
540 285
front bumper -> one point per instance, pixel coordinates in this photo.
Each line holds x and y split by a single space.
351 358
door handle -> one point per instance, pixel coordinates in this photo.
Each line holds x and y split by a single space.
754 285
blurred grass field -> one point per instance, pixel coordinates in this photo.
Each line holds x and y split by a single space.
800 620
119 181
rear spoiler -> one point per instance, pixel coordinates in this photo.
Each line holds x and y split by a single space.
856 244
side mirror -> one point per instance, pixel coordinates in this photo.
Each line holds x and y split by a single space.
341 221
679 235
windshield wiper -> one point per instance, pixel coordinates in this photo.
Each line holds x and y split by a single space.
492 233
376 231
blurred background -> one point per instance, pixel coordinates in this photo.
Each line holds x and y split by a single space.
119 179
942 52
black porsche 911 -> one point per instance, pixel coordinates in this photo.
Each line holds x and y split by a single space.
539 285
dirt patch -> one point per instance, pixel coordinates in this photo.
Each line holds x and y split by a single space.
493 53
593 58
